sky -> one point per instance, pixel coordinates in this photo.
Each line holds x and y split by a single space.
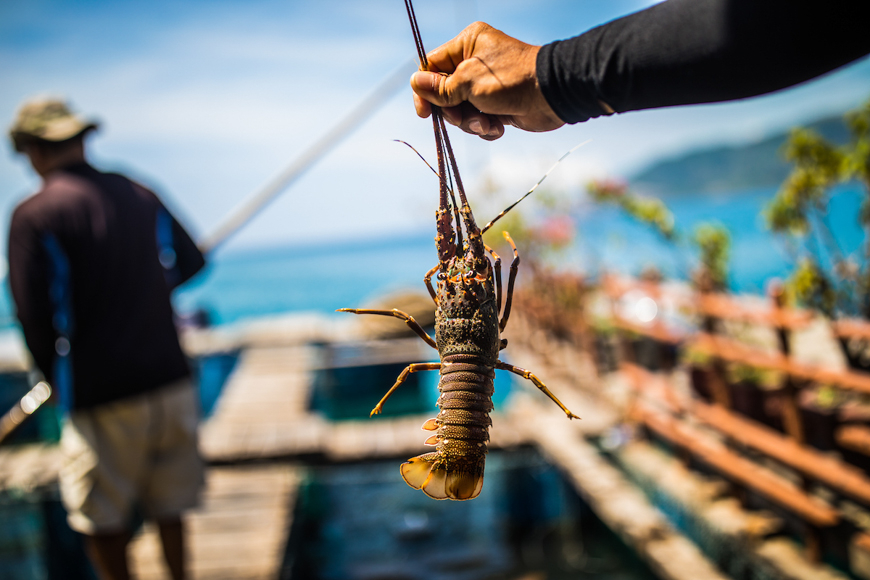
207 101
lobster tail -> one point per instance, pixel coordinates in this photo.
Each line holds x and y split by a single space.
438 481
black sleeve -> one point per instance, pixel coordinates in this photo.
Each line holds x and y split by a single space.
28 281
188 257
682 52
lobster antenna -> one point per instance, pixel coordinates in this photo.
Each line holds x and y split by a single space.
534 187
420 156
442 143
450 188
443 181
418 38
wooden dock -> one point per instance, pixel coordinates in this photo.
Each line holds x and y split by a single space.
262 432
238 533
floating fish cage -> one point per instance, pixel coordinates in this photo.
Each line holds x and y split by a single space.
353 376
362 522
210 373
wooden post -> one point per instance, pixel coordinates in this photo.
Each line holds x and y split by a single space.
710 324
812 543
791 414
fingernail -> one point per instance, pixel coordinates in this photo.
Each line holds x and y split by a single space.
475 127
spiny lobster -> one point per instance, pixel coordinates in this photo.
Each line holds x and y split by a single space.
467 328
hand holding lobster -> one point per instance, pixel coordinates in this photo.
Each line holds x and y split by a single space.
483 80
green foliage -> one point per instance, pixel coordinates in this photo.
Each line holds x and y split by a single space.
713 240
649 210
743 373
515 223
541 237
857 157
818 166
828 397
696 358
714 243
809 286
799 209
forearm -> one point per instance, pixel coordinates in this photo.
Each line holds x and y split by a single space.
697 51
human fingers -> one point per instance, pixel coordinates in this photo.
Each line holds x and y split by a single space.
438 89
449 55
471 120
422 106
466 117
435 84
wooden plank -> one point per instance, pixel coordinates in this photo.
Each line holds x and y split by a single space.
851 328
622 506
727 307
653 386
854 437
266 395
29 467
239 532
717 305
656 330
740 470
734 351
832 472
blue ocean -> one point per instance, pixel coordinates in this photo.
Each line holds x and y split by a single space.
250 283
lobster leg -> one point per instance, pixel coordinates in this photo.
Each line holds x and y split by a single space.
537 382
515 264
428 280
412 368
409 320
497 268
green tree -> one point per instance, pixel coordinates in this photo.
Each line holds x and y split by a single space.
714 244
712 240
799 213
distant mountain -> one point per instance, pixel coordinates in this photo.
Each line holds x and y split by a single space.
733 168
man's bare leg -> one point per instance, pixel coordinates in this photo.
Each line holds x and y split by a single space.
108 554
172 539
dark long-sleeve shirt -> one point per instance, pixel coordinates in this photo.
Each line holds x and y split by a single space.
90 291
699 51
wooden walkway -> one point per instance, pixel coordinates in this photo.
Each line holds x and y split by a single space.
240 531
262 429
263 414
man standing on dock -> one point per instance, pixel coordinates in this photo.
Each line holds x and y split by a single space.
93 258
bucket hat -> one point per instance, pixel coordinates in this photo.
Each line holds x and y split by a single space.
47 119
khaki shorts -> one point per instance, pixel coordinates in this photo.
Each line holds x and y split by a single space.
140 451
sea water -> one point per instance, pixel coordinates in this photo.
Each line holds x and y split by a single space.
241 284
361 521
352 273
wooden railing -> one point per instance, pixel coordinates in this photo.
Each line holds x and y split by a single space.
740 438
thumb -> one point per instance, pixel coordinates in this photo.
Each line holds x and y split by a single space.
437 88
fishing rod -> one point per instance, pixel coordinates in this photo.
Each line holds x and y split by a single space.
24 408
256 202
